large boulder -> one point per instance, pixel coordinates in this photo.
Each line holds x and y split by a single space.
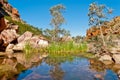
9 48
34 41
9 35
43 43
116 58
22 40
19 47
26 36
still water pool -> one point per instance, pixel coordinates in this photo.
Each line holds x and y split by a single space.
68 68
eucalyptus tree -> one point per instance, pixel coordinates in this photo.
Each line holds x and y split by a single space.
57 19
98 15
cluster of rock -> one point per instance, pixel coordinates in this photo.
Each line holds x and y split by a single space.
10 41
111 33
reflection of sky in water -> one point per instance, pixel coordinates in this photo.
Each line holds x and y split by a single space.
76 70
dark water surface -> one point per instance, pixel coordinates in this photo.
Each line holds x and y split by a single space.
68 68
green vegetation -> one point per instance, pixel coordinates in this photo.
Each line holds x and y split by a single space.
67 47
61 48
30 51
23 27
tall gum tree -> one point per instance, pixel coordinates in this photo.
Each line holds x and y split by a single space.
57 19
98 15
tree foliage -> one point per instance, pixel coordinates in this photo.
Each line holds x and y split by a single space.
58 19
50 33
98 13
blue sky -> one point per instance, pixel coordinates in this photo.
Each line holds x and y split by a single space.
36 12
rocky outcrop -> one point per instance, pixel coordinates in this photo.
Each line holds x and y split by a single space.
13 12
108 27
2 22
9 35
9 38
28 38
111 36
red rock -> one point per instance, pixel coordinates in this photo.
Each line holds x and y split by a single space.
1 41
2 24
15 12
112 27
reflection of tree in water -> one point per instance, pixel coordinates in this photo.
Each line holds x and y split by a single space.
56 72
96 65
54 59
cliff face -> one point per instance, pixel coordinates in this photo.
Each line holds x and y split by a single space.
7 9
112 27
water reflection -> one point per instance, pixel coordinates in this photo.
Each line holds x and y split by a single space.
69 68
57 73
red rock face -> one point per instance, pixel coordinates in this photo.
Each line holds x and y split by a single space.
15 12
10 10
2 24
111 26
